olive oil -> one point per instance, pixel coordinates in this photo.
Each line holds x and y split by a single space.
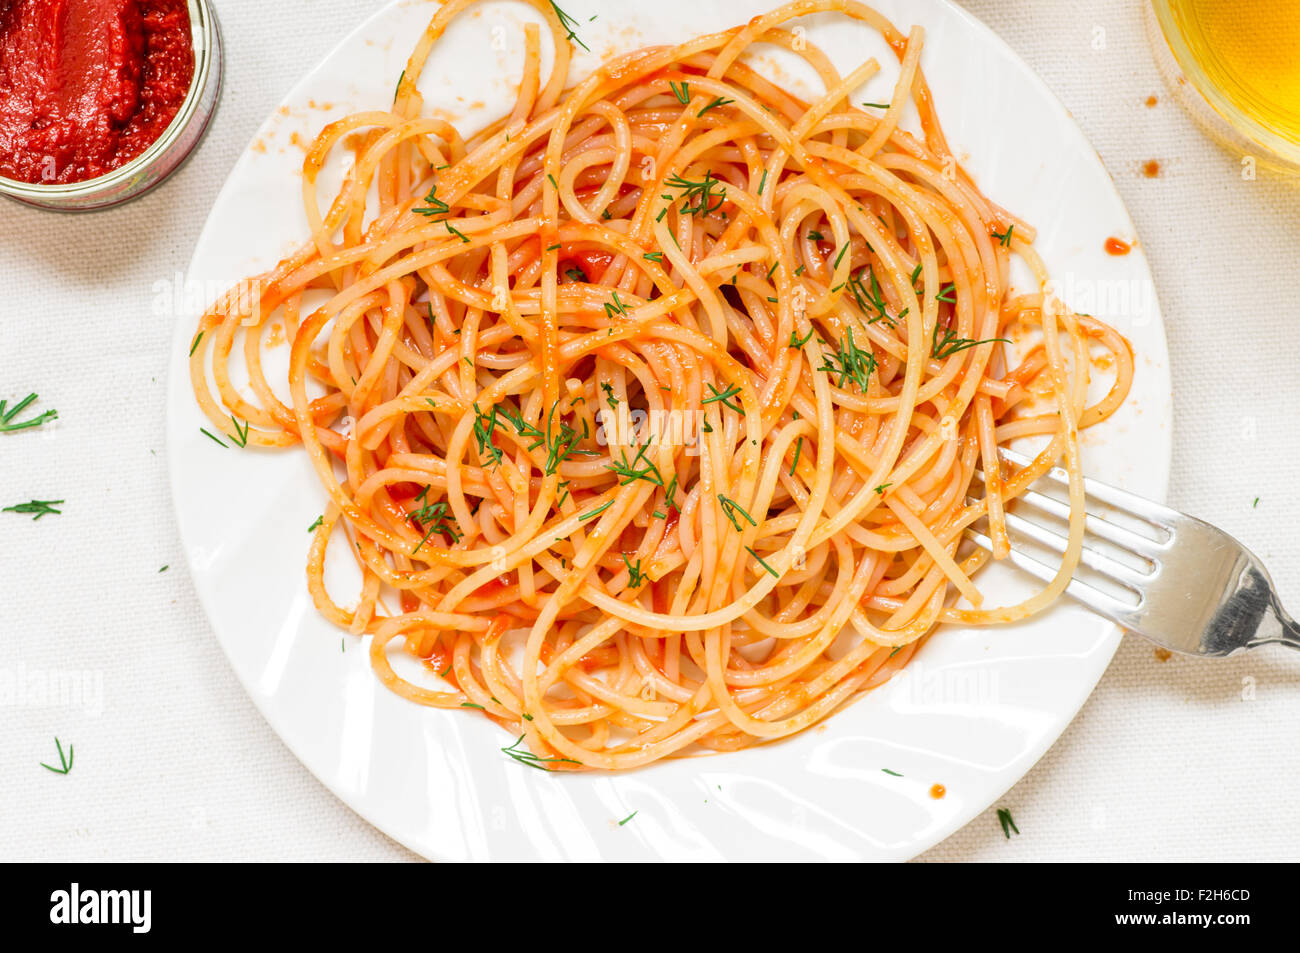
1249 51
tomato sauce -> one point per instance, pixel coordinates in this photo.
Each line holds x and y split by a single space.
88 85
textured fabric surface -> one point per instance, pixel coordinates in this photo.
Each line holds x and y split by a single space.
1167 760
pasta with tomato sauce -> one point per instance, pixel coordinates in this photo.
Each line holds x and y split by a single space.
652 414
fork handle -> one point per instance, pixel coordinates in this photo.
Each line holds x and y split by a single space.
1275 627
1290 634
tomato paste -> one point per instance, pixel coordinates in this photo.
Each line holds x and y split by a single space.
87 85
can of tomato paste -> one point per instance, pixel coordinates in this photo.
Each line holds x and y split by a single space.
101 100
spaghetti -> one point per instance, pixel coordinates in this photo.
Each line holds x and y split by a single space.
651 414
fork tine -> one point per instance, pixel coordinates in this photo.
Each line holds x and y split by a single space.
1089 596
1134 506
1090 557
1101 528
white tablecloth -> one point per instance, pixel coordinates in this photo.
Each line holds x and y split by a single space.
1168 760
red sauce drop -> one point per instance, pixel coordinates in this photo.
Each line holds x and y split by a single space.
938 791
1151 102
1163 655
1116 246
1151 168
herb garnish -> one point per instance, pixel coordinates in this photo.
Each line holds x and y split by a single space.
706 200
570 24
436 206
39 507
720 101
869 299
635 577
560 444
484 425
763 563
65 762
854 363
951 344
437 517
241 433
723 397
630 471
526 757
7 416
730 509
1008 824
596 512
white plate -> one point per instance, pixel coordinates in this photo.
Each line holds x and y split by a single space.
973 712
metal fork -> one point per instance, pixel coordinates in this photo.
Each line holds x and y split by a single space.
1188 587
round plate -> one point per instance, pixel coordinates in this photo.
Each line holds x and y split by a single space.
973 712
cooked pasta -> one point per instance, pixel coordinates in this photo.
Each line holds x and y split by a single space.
652 414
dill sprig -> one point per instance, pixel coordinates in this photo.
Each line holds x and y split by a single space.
560 442
635 577
434 205
38 507
951 344
716 104
762 562
241 433
638 469
7 424
682 92
484 425
1004 238
851 363
1007 822
594 513
724 397
65 761
616 307
526 757
670 492
870 300
570 24
702 193
436 517
731 509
